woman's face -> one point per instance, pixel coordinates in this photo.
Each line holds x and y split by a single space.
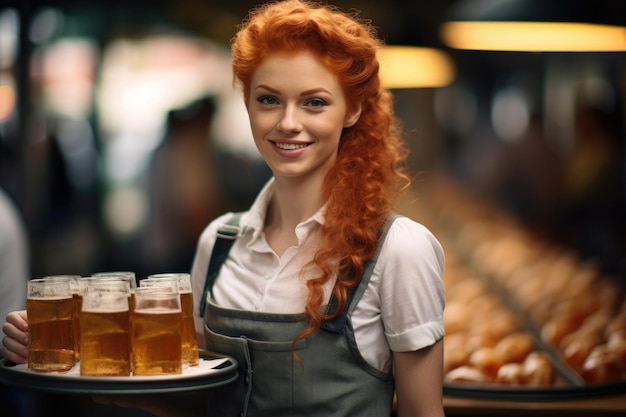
297 111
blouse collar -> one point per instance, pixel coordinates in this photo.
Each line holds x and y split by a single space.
253 220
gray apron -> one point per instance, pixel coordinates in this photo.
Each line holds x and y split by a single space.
333 379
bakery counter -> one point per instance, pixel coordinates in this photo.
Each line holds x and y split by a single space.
612 405
597 406
531 328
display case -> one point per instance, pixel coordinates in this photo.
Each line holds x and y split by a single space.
531 329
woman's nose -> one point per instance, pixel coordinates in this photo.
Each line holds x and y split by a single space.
289 121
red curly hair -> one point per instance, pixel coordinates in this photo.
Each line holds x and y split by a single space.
363 186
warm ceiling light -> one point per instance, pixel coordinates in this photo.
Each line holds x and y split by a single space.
415 67
534 36
536 25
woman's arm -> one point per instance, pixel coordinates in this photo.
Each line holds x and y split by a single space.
419 381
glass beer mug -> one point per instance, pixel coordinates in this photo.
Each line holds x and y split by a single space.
50 310
156 333
105 330
188 338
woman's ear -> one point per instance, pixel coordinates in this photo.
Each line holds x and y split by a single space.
352 117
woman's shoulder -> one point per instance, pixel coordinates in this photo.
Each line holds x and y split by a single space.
404 227
406 237
210 231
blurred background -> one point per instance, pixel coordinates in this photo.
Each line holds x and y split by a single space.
121 136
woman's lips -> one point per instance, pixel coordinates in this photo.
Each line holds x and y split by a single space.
290 146
290 149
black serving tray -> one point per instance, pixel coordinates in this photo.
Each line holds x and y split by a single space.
214 370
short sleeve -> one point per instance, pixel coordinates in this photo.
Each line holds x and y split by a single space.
412 295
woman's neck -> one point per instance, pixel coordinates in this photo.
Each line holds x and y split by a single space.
293 202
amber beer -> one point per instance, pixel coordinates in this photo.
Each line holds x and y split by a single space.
77 299
189 343
156 333
105 332
50 310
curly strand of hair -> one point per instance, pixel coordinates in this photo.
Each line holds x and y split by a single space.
362 188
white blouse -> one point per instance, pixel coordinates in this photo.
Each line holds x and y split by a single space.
401 310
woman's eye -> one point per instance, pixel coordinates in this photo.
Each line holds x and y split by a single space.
267 100
316 102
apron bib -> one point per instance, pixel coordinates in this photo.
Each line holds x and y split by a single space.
333 379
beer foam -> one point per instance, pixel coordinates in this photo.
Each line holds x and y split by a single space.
157 310
49 298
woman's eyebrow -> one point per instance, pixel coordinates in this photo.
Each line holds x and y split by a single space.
315 91
309 92
266 87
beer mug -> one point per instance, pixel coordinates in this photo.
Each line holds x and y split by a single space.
109 284
156 333
105 330
188 337
77 300
50 309
124 275
105 283
167 284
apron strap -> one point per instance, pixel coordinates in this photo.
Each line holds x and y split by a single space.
226 235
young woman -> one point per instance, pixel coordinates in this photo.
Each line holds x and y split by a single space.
329 302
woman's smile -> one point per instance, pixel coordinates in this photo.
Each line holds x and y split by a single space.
290 149
290 146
